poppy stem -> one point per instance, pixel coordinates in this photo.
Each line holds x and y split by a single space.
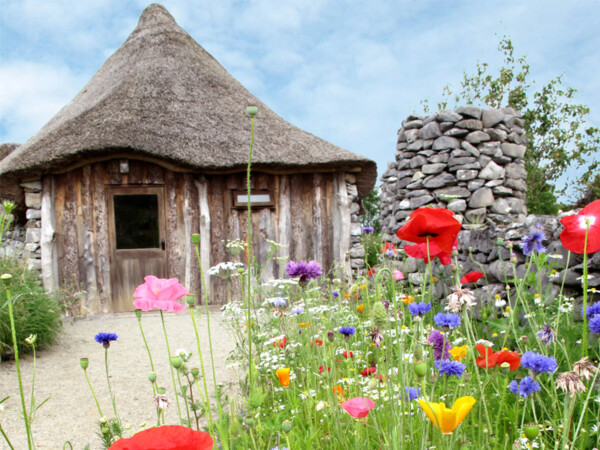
162 318
584 333
249 257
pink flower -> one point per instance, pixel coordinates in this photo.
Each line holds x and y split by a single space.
159 293
358 406
397 275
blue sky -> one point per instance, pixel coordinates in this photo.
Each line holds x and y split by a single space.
346 71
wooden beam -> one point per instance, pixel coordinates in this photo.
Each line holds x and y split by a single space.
202 186
343 217
47 242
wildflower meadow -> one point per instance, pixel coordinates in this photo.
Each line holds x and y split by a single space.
332 359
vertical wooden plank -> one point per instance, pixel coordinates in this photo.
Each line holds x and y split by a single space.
100 227
188 200
47 240
328 247
205 220
317 218
343 225
60 192
114 173
172 215
136 172
87 237
298 231
284 220
216 204
155 174
71 255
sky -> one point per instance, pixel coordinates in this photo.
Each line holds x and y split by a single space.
347 71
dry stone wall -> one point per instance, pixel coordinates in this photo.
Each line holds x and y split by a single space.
469 161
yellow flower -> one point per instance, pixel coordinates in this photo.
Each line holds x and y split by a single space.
360 308
284 376
447 420
408 300
363 287
304 324
459 353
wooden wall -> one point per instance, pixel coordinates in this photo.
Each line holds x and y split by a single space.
306 208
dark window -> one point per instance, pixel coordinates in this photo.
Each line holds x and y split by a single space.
136 221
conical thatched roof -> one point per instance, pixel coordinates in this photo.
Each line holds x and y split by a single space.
162 97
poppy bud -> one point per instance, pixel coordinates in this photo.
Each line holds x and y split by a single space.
6 277
195 238
152 377
235 429
195 372
161 390
251 110
420 369
499 242
190 299
84 363
531 430
138 314
249 421
330 335
286 426
176 362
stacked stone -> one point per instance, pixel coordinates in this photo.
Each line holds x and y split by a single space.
357 251
33 227
469 161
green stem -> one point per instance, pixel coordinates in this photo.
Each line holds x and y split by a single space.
16 350
584 350
162 318
93 393
146 343
249 260
112 397
183 394
6 438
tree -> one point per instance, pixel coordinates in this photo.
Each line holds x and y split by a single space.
555 127
372 207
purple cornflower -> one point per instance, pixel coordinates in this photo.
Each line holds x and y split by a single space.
368 230
412 393
592 310
347 331
440 348
527 387
297 310
419 309
546 334
538 363
449 320
533 241
304 270
279 302
105 338
450 368
595 324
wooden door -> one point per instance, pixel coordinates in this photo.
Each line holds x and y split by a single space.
137 234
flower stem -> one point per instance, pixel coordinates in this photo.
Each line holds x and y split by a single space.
249 259
162 318
112 397
6 438
584 350
93 393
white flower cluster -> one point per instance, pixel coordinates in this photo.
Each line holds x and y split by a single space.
225 269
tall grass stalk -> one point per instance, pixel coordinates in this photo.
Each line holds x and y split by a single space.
162 318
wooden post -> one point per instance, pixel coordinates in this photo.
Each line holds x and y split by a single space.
47 242
342 218
283 235
202 186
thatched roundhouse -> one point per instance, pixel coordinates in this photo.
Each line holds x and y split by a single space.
153 149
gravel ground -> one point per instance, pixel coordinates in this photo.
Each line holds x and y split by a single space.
70 414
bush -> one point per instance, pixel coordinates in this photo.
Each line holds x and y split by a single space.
34 311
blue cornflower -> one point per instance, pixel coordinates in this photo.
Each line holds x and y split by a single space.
449 320
533 241
450 368
538 363
546 334
368 230
297 310
592 310
335 294
595 324
105 338
347 331
527 387
412 393
279 302
419 309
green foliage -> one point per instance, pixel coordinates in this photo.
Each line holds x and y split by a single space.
372 207
372 245
554 126
34 311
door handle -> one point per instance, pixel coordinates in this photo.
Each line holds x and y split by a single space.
162 244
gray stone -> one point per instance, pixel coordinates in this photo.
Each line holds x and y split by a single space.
500 206
472 166
444 142
417 161
441 180
439 158
357 252
516 184
416 278
449 116
459 161
470 124
430 118
475 215
496 134
417 175
401 146
432 169
401 135
516 170
33 235
426 153
470 148
33 214
33 200
430 131
502 160
427 143
403 164
415 185
417 193
466 175
457 205
412 124
492 171
473 185
459 153
401 215
354 208
445 126
476 137
417 202
355 229
452 191
404 204
32 186
458 132
517 205
470 111
493 183
31 247
491 117
502 191
404 182
415 145
481 198
513 150
484 160
411 135
491 149
34 264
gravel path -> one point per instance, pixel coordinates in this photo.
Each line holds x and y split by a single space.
71 413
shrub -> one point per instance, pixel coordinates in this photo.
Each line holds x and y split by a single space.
34 311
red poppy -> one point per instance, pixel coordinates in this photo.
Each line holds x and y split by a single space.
167 437
573 236
345 354
471 277
368 371
496 359
319 342
281 342
322 369
420 251
371 272
436 225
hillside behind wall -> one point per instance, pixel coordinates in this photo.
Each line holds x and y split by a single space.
471 162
